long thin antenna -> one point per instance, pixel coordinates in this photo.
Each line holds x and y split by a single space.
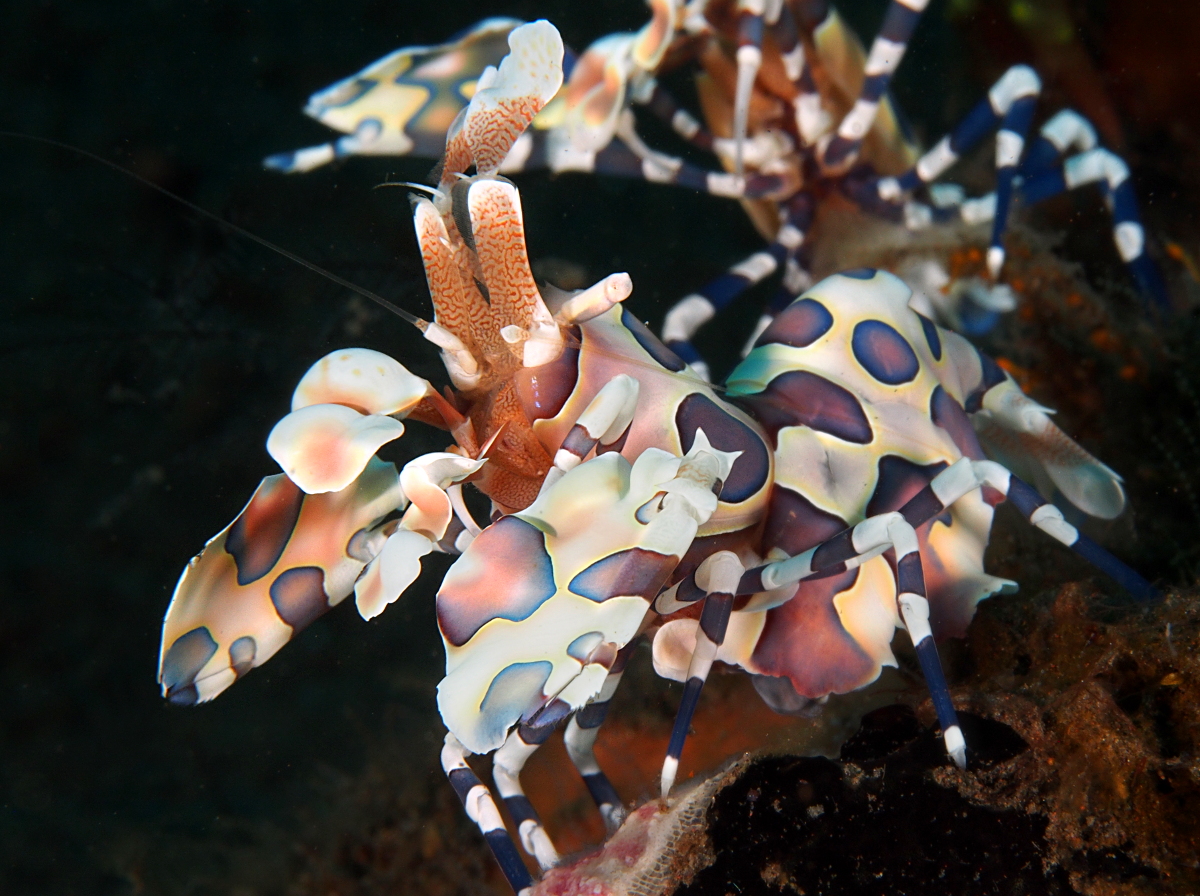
241 231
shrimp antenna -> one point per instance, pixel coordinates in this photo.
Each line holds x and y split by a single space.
228 225
424 188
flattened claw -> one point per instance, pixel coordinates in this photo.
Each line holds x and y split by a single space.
527 607
654 37
595 95
285 560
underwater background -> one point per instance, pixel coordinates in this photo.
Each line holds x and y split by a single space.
146 351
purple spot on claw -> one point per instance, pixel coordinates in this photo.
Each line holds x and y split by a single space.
635 571
504 574
299 595
799 325
800 398
884 353
183 661
726 432
515 691
256 539
950 416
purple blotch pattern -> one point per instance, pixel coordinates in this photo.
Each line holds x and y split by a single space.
804 641
183 661
801 398
795 524
900 479
257 538
724 431
932 338
475 591
950 416
635 571
516 691
299 595
799 325
884 353
241 655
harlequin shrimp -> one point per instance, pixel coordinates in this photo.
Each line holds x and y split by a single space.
795 112
837 488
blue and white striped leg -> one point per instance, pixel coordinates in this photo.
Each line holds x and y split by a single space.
682 122
1015 95
299 161
852 547
812 121
1067 133
978 123
1109 171
786 35
796 278
690 313
914 611
718 576
628 156
897 530
840 152
481 809
1049 519
580 740
507 764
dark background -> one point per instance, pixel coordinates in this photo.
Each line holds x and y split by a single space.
145 352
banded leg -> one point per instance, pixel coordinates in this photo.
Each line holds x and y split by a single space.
796 278
682 122
1067 132
1016 93
1102 167
839 152
507 764
854 546
580 740
718 576
691 312
481 809
364 141
630 157
604 422
913 602
759 150
1018 82
812 121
